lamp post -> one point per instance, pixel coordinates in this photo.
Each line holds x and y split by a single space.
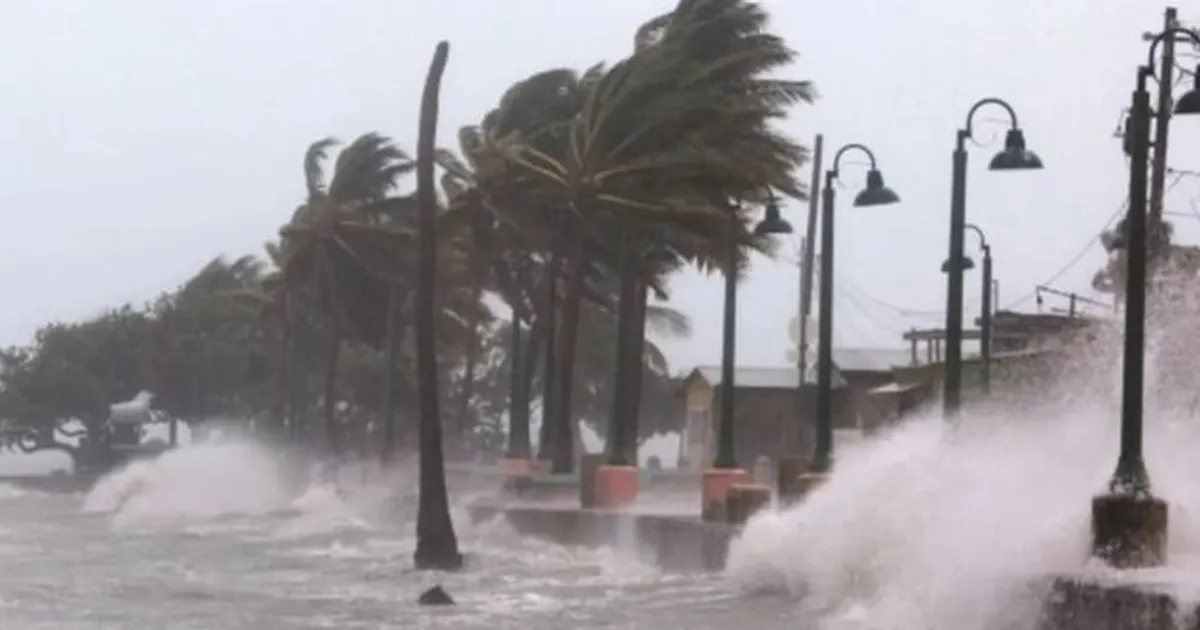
875 194
1014 157
772 223
725 472
985 305
1129 524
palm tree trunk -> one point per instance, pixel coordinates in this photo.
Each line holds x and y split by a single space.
518 409
437 545
333 435
616 441
637 364
546 434
564 426
390 350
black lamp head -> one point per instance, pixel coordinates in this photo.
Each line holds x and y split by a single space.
876 193
1189 103
773 222
1015 157
967 264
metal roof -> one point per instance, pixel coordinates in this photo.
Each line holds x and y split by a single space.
844 360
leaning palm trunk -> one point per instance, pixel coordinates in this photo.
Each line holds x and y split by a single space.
637 363
617 444
553 330
563 434
437 546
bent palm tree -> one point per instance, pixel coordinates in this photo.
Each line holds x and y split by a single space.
334 255
437 546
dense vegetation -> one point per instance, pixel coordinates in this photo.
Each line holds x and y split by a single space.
567 205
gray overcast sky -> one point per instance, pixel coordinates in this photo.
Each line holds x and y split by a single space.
144 137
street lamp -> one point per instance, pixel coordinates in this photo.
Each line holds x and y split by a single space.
1129 524
725 472
1014 157
772 223
985 305
875 194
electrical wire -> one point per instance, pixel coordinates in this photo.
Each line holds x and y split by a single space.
1090 244
1087 247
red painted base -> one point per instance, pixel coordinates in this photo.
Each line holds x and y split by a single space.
512 466
715 488
616 486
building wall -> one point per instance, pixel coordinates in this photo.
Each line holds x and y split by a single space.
765 422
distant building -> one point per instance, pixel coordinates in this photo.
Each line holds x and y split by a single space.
772 415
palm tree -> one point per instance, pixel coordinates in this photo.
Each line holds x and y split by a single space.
437 546
337 257
662 142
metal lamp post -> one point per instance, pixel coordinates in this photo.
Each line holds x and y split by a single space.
1014 157
772 223
1129 525
875 194
985 305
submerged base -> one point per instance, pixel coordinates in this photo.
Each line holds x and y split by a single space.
1128 531
616 486
715 489
743 501
789 471
436 596
437 560
1075 604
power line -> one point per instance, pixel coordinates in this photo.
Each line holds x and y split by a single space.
1087 247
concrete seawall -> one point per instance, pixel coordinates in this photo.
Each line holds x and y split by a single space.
673 543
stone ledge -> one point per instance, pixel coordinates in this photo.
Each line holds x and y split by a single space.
673 543
1098 603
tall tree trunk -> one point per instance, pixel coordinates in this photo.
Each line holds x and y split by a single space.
518 408
616 442
546 434
333 434
565 425
437 545
637 365
391 347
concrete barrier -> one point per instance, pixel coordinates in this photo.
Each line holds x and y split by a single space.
673 543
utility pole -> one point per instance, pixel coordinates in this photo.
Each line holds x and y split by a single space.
1162 119
806 270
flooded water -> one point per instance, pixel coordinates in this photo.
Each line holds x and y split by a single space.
207 538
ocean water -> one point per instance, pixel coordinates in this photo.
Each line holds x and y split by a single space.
207 537
930 526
